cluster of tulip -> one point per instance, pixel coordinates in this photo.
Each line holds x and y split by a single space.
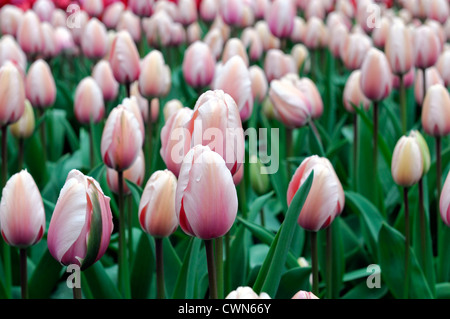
142 106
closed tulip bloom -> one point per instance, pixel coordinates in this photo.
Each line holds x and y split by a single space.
177 34
175 139
155 77
253 43
142 102
130 22
300 54
234 47
427 47
436 111
234 79
50 48
277 64
246 293
298 31
291 106
193 33
88 102
216 114
11 51
79 21
231 11
103 75
135 174
198 65
29 33
40 85
215 42
22 214
260 8
443 66
438 10
167 6
158 29
438 30
59 18
354 50
408 79
12 94
171 107
10 19
315 9
304 295
121 139
124 58
112 13
64 40
24 127
316 34
143 8
309 89
259 83
44 9
326 198
376 76
81 224
407 162
132 105
157 214
206 200
432 77
208 10
399 48
280 18
379 35
424 150
187 12
93 7
338 36
353 93
444 203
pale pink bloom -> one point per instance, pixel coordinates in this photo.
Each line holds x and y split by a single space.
94 41
157 214
260 7
316 34
436 111
338 38
277 64
280 18
177 34
407 162
187 12
78 20
206 200
50 47
143 8
171 107
315 9
253 43
198 65
233 47
64 40
304 295
124 58
11 51
103 75
354 50
438 10
443 66
209 10
155 78
29 33
44 9
380 34
215 42
231 11
193 33
309 89
40 85
353 93
112 14
427 47
408 79
158 28
300 54
268 39
135 174
88 102
81 210
399 48
259 83
432 77
246 293
298 31
59 18
132 23
444 203
93 7
10 19
376 76
131 104
22 214
26 124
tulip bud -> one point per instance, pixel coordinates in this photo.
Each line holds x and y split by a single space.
135 173
326 198
187 12
29 33
215 42
81 224
234 47
234 79
444 202
193 33
198 65
231 11
39 85
175 140
436 111
380 34
22 214
280 18
259 177
309 89
12 97
206 200
376 76
24 127
171 107
132 23
304 295
277 64
124 58
268 109
93 7
44 9
64 40
338 37
259 83
298 31
59 18
155 77
112 14
432 77
425 151
438 10
443 66
88 102
407 162
103 75
209 9
268 39
427 47
246 293
49 46
354 50
121 139
399 48
316 34
11 51
10 19
132 105
353 93
157 214
143 8
158 29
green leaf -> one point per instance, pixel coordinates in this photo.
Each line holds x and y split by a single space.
293 281
185 285
142 269
45 277
392 263
100 283
361 291
443 290
172 266
136 191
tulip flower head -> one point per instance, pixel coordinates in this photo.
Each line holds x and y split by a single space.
198 65
246 293
24 127
376 76
40 85
407 162
436 111
444 203
124 58
304 295
88 102
12 94
135 174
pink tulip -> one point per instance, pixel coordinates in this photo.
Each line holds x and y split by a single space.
353 93
198 65
94 40
438 30
238 176
10 19
143 8
268 39
338 37
29 34
280 17
277 64
399 48
132 23
215 42
380 34
187 12
444 203
407 162
103 75
158 29
206 199
177 34
216 123
131 104
124 58
354 50
135 173
155 77
443 66
93 7
26 124
44 9
175 140
427 47
168 7
376 76
259 83
304 295
193 33
143 103
436 111
291 106
408 79
345 7
231 11
300 54
298 31
112 14
315 9
234 47
157 214
121 139
79 21
171 107
312 94
11 51
260 8
64 40
316 34
438 10
22 214
234 79
59 18
246 293
49 48
326 198
432 77
209 10
81 224
39 85
88 102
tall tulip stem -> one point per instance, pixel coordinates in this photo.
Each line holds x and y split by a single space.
440 242
329 232
6 248
289 150
314 263
355 152
43 135
209 245
160 290
403 110
375 151
219 267
23 273
422 222
123 262
4 155
91 145
20 155
407 241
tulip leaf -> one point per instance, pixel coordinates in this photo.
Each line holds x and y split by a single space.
362 291
392 263
185 285
443 290
272 269
143 268
172 266
100 283
136 191
293 281
45 277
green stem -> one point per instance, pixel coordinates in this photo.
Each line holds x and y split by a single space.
289 150
91 145
243 197
261 214
20 155
211 269
227 264
440 231
23 273
43 131
375 151
159 268
6 249
314 264
317 136
130 229
124 280
355 152
407 241
4 155
403 106
219 267
422 223
329 262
